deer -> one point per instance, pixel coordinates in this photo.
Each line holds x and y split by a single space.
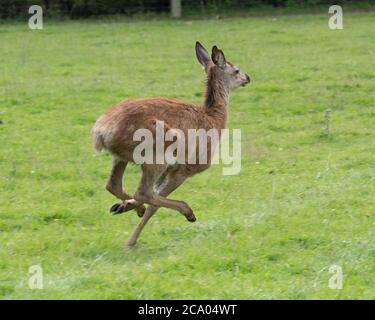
114 132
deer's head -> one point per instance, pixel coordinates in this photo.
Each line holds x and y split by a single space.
217 66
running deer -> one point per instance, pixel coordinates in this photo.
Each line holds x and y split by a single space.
115 129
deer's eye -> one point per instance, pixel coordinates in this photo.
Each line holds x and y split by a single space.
237 71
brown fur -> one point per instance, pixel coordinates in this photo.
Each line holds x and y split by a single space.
114 131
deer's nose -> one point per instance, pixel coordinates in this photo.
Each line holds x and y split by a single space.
247 78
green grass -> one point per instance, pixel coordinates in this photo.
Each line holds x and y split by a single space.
304 199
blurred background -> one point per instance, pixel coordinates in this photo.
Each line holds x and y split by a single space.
177 8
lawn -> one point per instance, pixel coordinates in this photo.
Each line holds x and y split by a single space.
302 203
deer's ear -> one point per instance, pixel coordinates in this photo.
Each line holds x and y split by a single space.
202 55
218 57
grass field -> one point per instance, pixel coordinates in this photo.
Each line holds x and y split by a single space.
304 200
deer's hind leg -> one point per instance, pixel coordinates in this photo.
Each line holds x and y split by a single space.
114 184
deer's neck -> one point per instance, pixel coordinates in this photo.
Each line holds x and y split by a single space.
216 100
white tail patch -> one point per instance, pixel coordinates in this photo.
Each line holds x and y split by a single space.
97 138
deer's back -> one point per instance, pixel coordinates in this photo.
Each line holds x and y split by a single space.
114 130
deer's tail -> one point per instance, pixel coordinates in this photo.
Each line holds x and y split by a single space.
97 139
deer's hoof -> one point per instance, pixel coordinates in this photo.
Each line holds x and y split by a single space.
116 208
125 206
129 244
191 217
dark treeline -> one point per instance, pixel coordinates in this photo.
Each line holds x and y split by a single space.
86 8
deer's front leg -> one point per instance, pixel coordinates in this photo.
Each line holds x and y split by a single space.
156 201
164 188
156 196
154 185
159 201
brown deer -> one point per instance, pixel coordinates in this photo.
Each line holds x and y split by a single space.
115 129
